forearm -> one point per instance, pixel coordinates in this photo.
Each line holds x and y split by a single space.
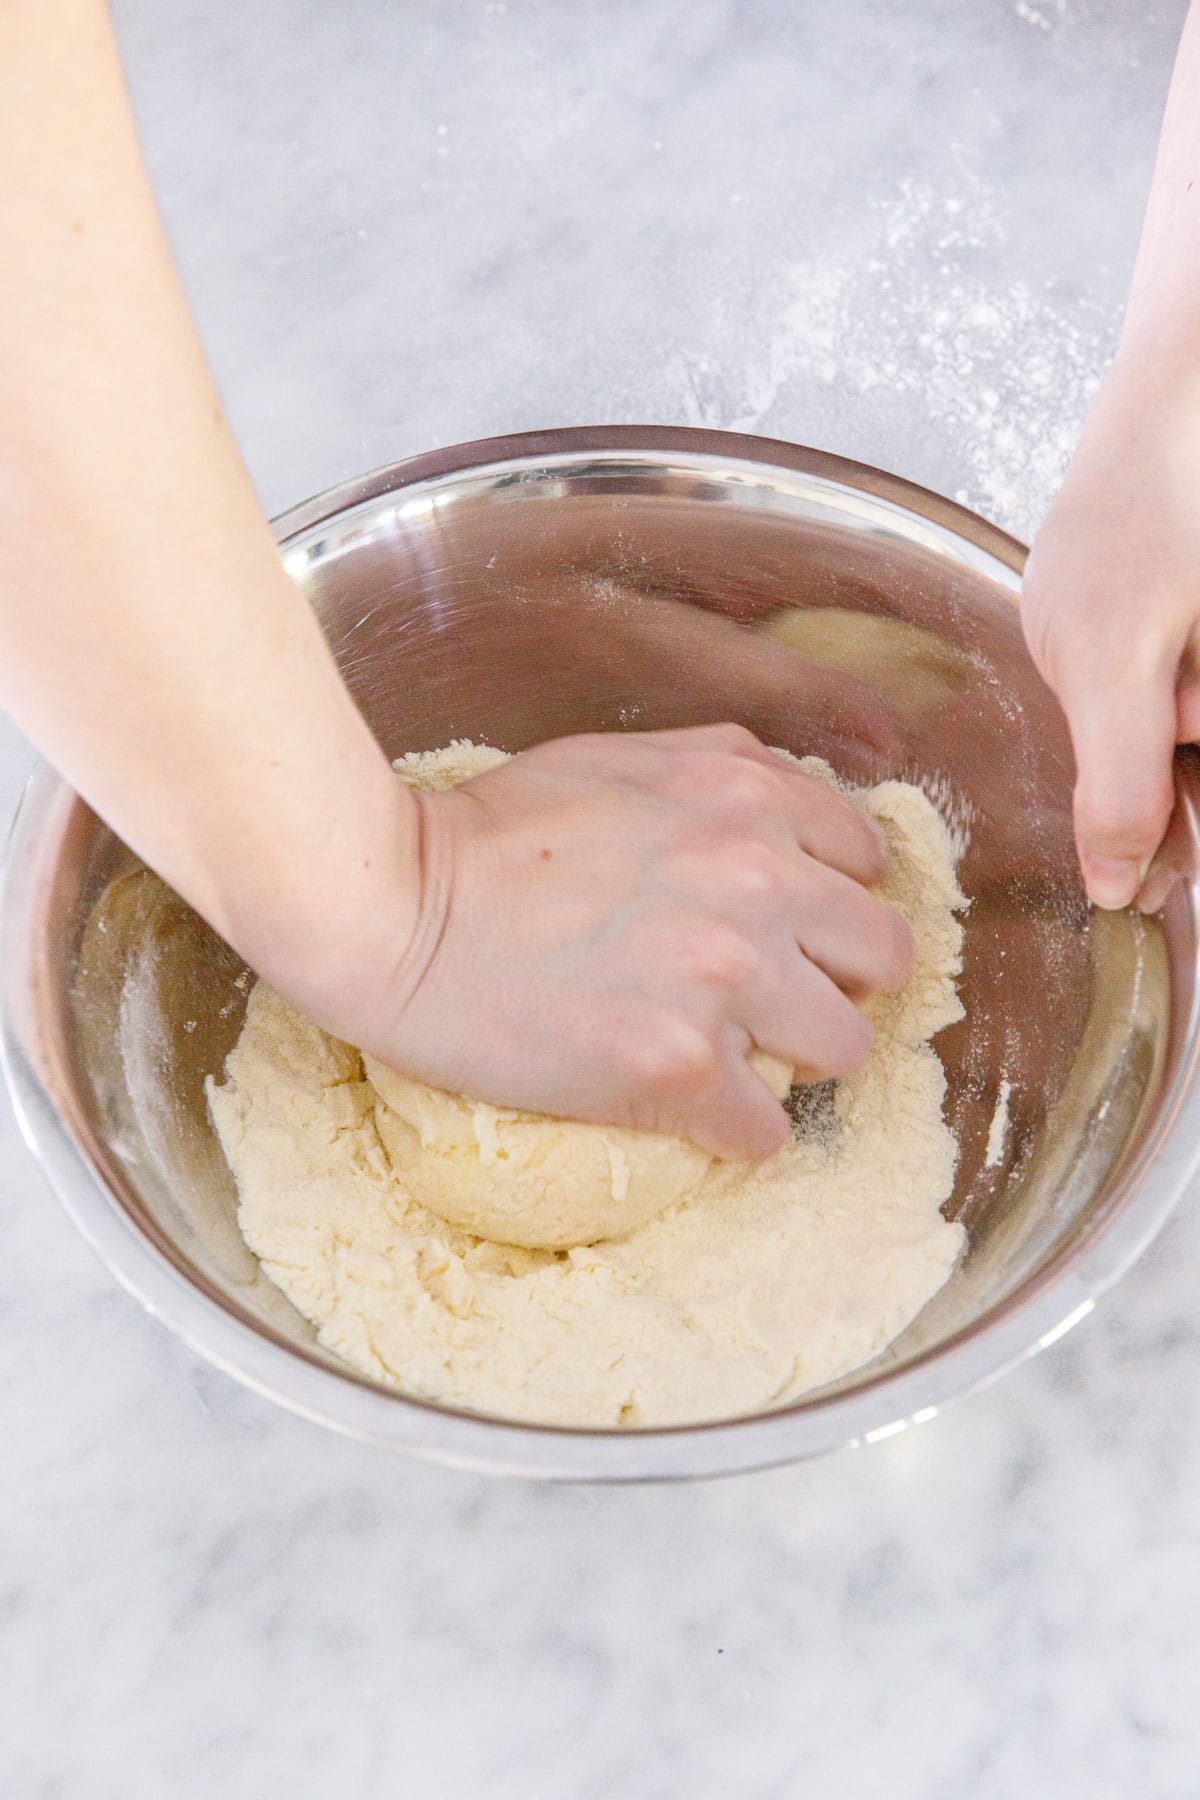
1162 322
150 641
1110 603
1147 412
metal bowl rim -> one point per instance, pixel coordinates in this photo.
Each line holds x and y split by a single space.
886 1403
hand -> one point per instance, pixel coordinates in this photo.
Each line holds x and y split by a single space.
609 923
1111 610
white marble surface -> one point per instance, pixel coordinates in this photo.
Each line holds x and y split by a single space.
900 231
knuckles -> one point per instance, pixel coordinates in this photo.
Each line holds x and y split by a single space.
725 784
718 956
723 869
751 869
667 1058
744 786
730 737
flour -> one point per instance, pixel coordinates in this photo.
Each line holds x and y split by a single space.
1042 17
990 381
759 1286
997 1135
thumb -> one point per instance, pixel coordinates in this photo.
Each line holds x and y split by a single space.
1120 706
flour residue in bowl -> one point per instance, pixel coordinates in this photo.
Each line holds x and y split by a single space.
997 1137
763 1284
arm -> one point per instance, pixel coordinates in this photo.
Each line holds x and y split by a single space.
601 928
1112 591
150 642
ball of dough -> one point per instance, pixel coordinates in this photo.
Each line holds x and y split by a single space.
525 1178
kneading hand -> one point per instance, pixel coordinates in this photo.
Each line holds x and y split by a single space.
601 928
609 923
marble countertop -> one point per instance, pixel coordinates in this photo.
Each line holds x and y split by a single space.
902 233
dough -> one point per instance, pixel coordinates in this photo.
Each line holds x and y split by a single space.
756 1285
524 1178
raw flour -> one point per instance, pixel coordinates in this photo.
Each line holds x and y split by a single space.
761 1284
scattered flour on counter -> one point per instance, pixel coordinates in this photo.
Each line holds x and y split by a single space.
990 379
1045 16
763 1283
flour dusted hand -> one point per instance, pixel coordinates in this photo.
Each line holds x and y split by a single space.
610 923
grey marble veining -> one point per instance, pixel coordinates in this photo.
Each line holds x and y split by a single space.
901 232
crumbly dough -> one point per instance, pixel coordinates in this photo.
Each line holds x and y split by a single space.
756 1285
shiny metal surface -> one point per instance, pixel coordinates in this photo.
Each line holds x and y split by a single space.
635 578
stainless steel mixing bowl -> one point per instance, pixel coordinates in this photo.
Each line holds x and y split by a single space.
643 577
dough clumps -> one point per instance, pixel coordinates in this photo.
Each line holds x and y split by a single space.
524 1178
717 1289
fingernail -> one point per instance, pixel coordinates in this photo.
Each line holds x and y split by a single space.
1155 889
1112 881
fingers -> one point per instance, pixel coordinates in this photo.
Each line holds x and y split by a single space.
1155 890
827 824
765 904
753 785
1175 858
702 1086
836 832
805 1019
863 945
744 1121
1187 711
816 1029
1121 711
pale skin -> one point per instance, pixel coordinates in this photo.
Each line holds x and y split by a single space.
604 927
1111 603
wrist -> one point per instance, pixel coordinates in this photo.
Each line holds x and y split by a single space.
326 920
1142 434
1154 378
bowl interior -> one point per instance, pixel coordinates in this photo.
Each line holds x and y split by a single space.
607 588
